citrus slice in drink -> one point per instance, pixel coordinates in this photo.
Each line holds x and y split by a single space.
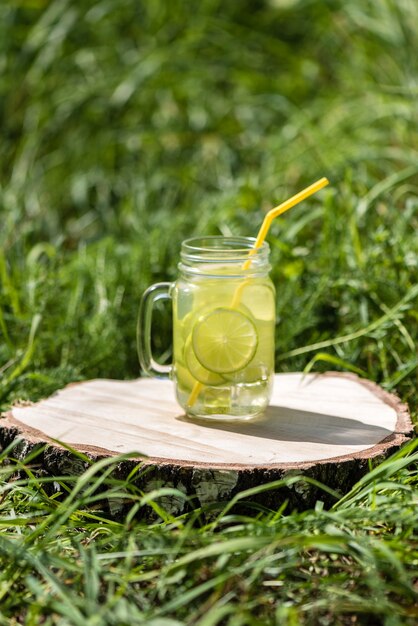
183 376
224 340
196 369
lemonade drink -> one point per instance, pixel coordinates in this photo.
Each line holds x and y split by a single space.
223 322
223 329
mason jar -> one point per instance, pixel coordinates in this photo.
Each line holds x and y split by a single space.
223 328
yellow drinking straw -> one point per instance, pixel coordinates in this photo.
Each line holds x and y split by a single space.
278 210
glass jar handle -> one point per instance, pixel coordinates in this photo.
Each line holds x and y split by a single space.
159 291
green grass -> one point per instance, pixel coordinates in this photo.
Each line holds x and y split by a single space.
126 127
62 560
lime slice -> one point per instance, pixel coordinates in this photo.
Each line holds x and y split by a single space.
224 340
185 325
204 376
184 379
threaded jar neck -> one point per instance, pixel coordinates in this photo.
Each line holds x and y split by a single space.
227 256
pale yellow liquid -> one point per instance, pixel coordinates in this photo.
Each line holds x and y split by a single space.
245 393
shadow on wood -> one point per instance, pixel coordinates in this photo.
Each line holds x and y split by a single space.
284 424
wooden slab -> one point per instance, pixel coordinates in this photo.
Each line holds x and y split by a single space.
314 422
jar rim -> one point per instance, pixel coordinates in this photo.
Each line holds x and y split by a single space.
219 243
237 256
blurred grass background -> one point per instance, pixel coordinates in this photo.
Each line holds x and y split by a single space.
128 127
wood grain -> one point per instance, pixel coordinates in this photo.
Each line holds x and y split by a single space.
314 423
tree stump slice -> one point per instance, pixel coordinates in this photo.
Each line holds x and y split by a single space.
326 426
